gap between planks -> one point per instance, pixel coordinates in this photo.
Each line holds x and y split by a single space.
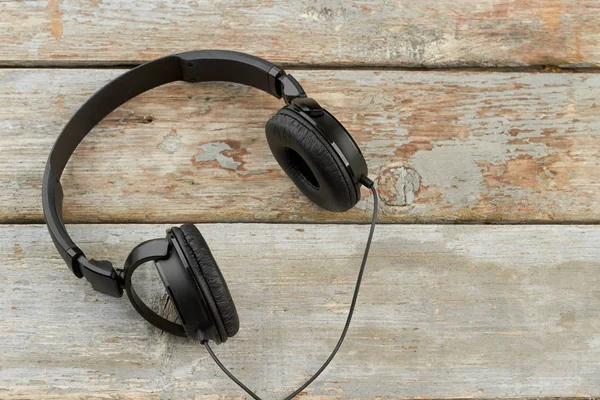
408 223
125 64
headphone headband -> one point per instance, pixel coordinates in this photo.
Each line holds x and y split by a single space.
195 66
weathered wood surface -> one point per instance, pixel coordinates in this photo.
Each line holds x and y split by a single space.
445 146
429 33
445 311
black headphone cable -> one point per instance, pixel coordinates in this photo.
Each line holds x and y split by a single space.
369 184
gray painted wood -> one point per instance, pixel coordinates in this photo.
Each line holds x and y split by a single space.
442 147
428 33
445 311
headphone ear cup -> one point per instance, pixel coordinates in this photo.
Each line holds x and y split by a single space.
209 278
310 161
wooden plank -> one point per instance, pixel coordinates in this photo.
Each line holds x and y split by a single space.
445 311
445 146
326 32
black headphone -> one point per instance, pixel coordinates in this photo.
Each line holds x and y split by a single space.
310 145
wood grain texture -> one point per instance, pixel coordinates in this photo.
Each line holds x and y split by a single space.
429 33
442 147
445 311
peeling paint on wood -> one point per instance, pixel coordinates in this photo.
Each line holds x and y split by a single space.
56 27
442 146
427 33
399 185
445 311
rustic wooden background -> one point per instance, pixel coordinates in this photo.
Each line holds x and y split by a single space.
484 113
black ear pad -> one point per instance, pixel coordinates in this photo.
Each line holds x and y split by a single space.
310 161
206 270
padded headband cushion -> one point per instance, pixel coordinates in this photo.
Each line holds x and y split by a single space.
205 269
310 161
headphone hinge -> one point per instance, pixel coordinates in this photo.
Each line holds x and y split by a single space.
290 88
102 276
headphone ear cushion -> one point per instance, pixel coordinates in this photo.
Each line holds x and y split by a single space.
205 269
310 161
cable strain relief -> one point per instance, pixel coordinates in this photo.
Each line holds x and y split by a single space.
201 337
366 182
